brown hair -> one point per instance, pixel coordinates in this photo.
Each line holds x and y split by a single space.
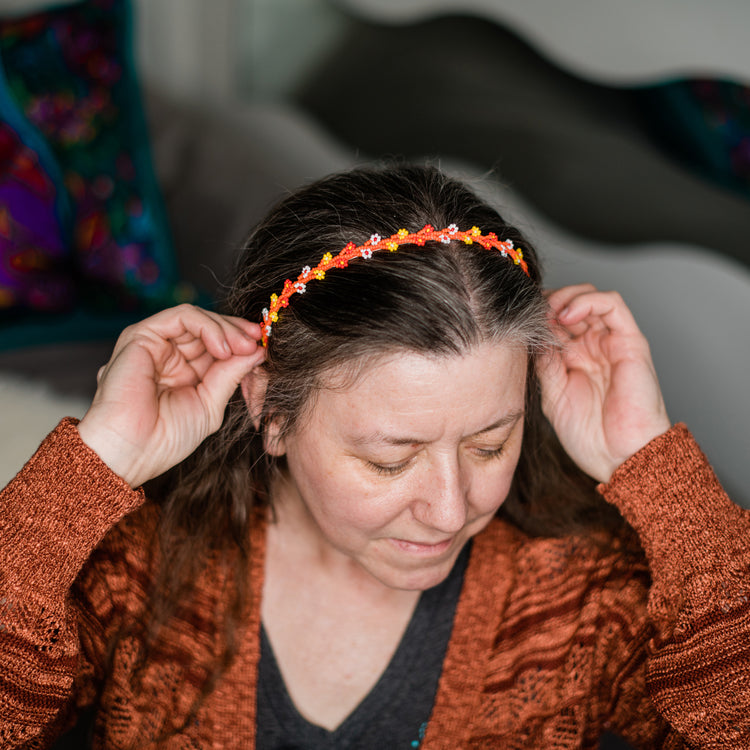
438 299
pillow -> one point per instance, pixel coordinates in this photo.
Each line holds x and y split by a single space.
84 243
704 122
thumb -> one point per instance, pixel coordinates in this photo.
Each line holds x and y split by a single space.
223 379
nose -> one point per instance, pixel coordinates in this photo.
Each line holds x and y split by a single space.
442 503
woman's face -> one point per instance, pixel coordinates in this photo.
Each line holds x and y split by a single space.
395 473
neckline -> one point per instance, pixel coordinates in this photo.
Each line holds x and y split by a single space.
407 656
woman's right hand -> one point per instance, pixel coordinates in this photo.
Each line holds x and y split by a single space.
165 389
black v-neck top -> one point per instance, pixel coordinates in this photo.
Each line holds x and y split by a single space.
394 713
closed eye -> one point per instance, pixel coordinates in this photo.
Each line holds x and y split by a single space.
387 470
489 453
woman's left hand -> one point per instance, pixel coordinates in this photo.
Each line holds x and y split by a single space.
601 393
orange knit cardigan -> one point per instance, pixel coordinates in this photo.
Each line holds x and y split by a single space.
554 640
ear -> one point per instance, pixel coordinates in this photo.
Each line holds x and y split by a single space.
253 387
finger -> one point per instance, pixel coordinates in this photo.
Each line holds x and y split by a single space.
220 335
560 298
192 348
200 365
606 307
222 379
240 336
249 328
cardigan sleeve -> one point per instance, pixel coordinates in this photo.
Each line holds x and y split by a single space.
697 543
52 516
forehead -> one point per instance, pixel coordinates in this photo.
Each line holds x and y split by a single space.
406 389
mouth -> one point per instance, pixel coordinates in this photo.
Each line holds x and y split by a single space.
421 548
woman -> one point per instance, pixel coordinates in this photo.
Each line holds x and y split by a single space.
383 542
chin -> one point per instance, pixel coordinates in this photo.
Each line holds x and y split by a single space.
415 579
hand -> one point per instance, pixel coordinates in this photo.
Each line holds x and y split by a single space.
166 387
601 393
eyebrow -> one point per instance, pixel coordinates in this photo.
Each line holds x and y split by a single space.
381 437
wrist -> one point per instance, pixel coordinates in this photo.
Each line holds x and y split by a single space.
112 450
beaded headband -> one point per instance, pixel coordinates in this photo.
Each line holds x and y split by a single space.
375 243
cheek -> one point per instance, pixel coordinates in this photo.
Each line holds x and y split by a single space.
494 486
344 500
492 492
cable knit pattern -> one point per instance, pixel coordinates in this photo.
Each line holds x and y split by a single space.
554 640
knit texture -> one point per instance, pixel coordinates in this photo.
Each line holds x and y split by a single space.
554 640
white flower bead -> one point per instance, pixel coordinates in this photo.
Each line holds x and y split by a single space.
300 287
366 253
374 239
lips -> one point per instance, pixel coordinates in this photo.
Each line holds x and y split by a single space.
422 548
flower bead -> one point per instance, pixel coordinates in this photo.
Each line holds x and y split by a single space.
350 251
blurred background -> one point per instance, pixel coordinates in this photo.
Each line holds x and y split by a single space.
139 141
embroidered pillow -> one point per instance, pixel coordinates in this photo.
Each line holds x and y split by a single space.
82 229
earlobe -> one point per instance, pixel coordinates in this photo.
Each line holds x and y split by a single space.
253 387
273 442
